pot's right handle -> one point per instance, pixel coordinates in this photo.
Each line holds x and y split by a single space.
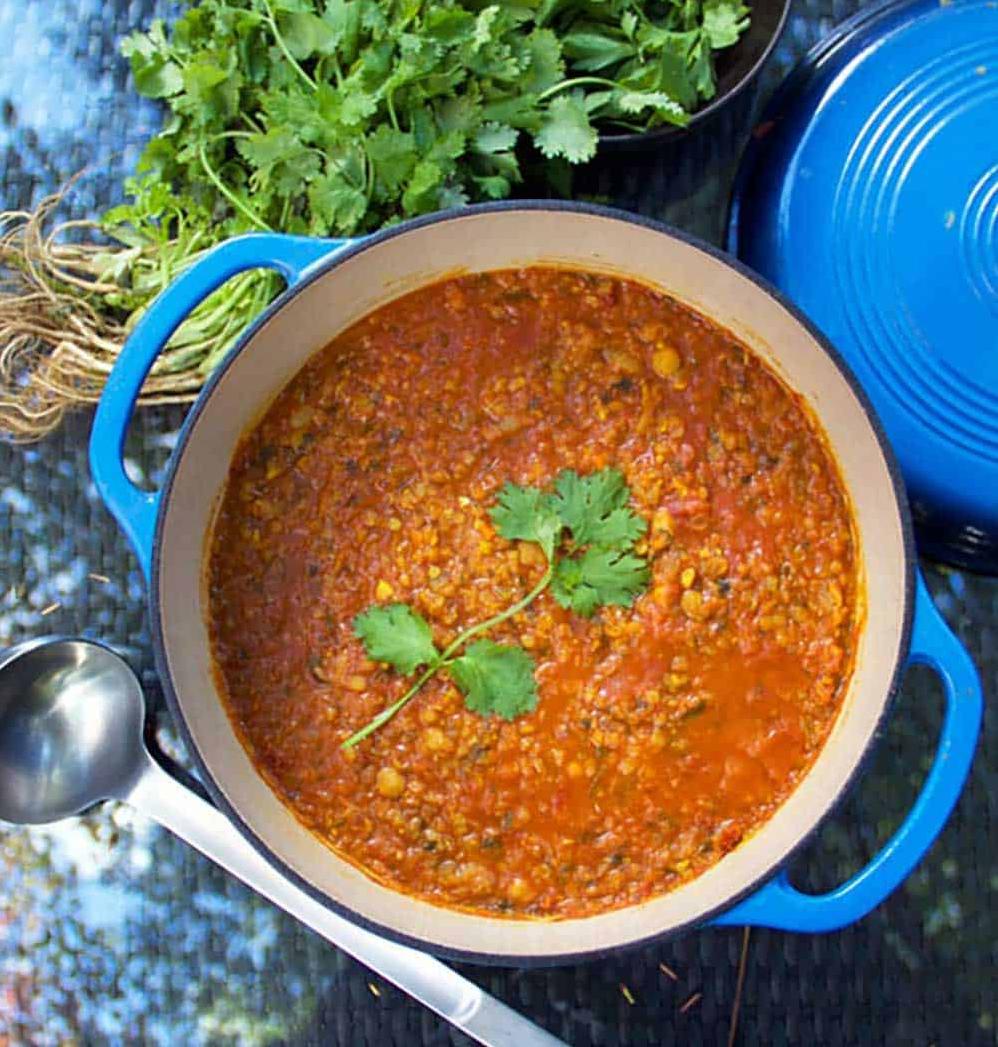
778 904
135 509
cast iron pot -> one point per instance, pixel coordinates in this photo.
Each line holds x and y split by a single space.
333 284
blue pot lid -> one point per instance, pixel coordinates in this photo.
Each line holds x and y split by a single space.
869 195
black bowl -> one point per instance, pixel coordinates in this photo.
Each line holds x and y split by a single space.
737 67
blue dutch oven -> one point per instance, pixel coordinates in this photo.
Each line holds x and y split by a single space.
330 285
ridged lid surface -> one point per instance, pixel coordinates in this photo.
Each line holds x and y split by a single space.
870 197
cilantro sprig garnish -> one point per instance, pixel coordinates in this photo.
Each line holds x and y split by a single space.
586 531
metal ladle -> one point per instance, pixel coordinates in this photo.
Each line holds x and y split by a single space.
71 720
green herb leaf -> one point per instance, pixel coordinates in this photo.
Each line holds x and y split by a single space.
673 72
517 110
599 577
565 131
483 31
594 508
394 633
420 194
527 514
393 155
545 65
593 50
496 679
156 76
724 21
663 104
449 27
494 138
494 187
278 146
337 206
307 34
701 70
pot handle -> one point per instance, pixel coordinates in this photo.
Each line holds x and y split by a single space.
780 905
135 509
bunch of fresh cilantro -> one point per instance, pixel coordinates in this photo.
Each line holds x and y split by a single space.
334 117
586 532
337 117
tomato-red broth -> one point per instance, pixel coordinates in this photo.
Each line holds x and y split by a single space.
665 732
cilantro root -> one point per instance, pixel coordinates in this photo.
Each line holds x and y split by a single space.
586 532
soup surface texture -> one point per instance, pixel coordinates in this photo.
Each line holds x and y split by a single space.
664 732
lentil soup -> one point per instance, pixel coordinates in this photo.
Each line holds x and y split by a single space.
665 732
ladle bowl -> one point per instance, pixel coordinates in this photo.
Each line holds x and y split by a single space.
71 716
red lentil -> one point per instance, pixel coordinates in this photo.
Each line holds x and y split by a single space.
664 732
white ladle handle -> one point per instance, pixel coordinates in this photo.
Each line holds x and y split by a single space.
160 796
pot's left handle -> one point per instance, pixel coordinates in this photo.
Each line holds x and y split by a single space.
780 905
135 509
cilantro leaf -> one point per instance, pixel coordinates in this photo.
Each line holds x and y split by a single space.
565 131
336 205
458 114
306 34
394 633
295 107
444 149
669 61
724 21
452 196
158 79
599 577
701 70
156 75
421 193
663 104
545 64
484 31
210 94
494 187
592 50
494 138
448 26
516 110
393 155
279 157
527 514
356 105
497 679
594 508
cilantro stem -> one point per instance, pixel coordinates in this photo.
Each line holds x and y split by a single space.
386 714
391 109
279 40
228 194
444 659
489 623
251 123
577 81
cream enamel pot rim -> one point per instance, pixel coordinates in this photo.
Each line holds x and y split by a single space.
331 285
